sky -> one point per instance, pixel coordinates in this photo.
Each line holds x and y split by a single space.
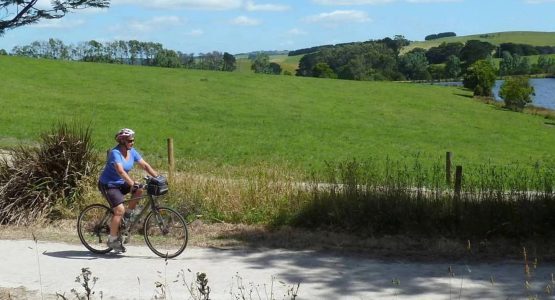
240 26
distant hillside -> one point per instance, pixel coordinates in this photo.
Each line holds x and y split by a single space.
534 38
287 63
269 52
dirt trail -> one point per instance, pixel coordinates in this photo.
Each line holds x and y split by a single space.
134 275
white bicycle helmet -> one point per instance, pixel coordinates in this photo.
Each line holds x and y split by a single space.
124 134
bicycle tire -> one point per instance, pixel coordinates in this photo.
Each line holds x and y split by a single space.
165 232
93 228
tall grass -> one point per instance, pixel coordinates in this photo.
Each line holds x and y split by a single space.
510 201
382 197
263 195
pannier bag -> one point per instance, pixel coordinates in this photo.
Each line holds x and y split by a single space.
157 185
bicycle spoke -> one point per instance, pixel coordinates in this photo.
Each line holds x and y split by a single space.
166 232
92 227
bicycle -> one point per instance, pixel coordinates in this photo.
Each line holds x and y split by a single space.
164 229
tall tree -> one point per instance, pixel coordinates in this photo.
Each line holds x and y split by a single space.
414 66
323 70
475 50
440 54
480 78
453 67
261 63
230 63
22 12
167 58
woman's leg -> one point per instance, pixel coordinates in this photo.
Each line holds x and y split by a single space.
116 219
136 194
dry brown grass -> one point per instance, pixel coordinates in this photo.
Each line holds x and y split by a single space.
239 195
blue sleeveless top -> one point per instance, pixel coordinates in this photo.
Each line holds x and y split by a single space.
109 175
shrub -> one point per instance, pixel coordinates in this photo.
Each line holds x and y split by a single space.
516 92
480 78
34 181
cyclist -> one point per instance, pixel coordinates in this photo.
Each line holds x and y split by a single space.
115 181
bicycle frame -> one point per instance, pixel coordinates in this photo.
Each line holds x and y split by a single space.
152 206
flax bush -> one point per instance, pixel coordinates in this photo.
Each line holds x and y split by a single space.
45 181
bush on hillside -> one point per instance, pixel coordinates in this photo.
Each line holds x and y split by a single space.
35 180
480 78
516 92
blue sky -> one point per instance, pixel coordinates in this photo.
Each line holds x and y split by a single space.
236 26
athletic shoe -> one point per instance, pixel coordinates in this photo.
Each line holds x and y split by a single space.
116 245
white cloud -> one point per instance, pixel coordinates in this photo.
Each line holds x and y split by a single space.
339 16
251 6
57 23
195 32
154 23
350 2
372 2
184 4
43 4
296 32
432 1
245 21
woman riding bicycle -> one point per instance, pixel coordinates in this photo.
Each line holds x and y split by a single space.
115 181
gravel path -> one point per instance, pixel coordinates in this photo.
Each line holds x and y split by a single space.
134 274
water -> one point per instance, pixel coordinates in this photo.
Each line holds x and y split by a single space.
544 89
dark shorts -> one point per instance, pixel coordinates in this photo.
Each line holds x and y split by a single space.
115 194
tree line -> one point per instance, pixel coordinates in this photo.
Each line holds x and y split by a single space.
381 60
130 52
439 36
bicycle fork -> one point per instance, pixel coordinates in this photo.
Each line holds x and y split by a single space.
161 223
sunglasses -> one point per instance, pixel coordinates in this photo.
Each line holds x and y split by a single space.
131 141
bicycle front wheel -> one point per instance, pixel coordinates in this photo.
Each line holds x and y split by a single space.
93 227
165 232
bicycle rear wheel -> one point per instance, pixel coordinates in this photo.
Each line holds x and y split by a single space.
93 227
166 232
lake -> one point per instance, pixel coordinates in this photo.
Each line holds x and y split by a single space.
544 89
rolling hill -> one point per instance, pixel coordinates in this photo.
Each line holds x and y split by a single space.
248 119
534 38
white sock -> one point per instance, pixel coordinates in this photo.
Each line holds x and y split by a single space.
112 238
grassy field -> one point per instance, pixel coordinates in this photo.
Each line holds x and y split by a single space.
534 38
287 63
241 119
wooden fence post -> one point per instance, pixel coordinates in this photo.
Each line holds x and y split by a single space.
448 168
171 161
458 181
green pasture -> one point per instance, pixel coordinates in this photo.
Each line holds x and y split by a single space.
243 65
287 63
534 38
242 119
